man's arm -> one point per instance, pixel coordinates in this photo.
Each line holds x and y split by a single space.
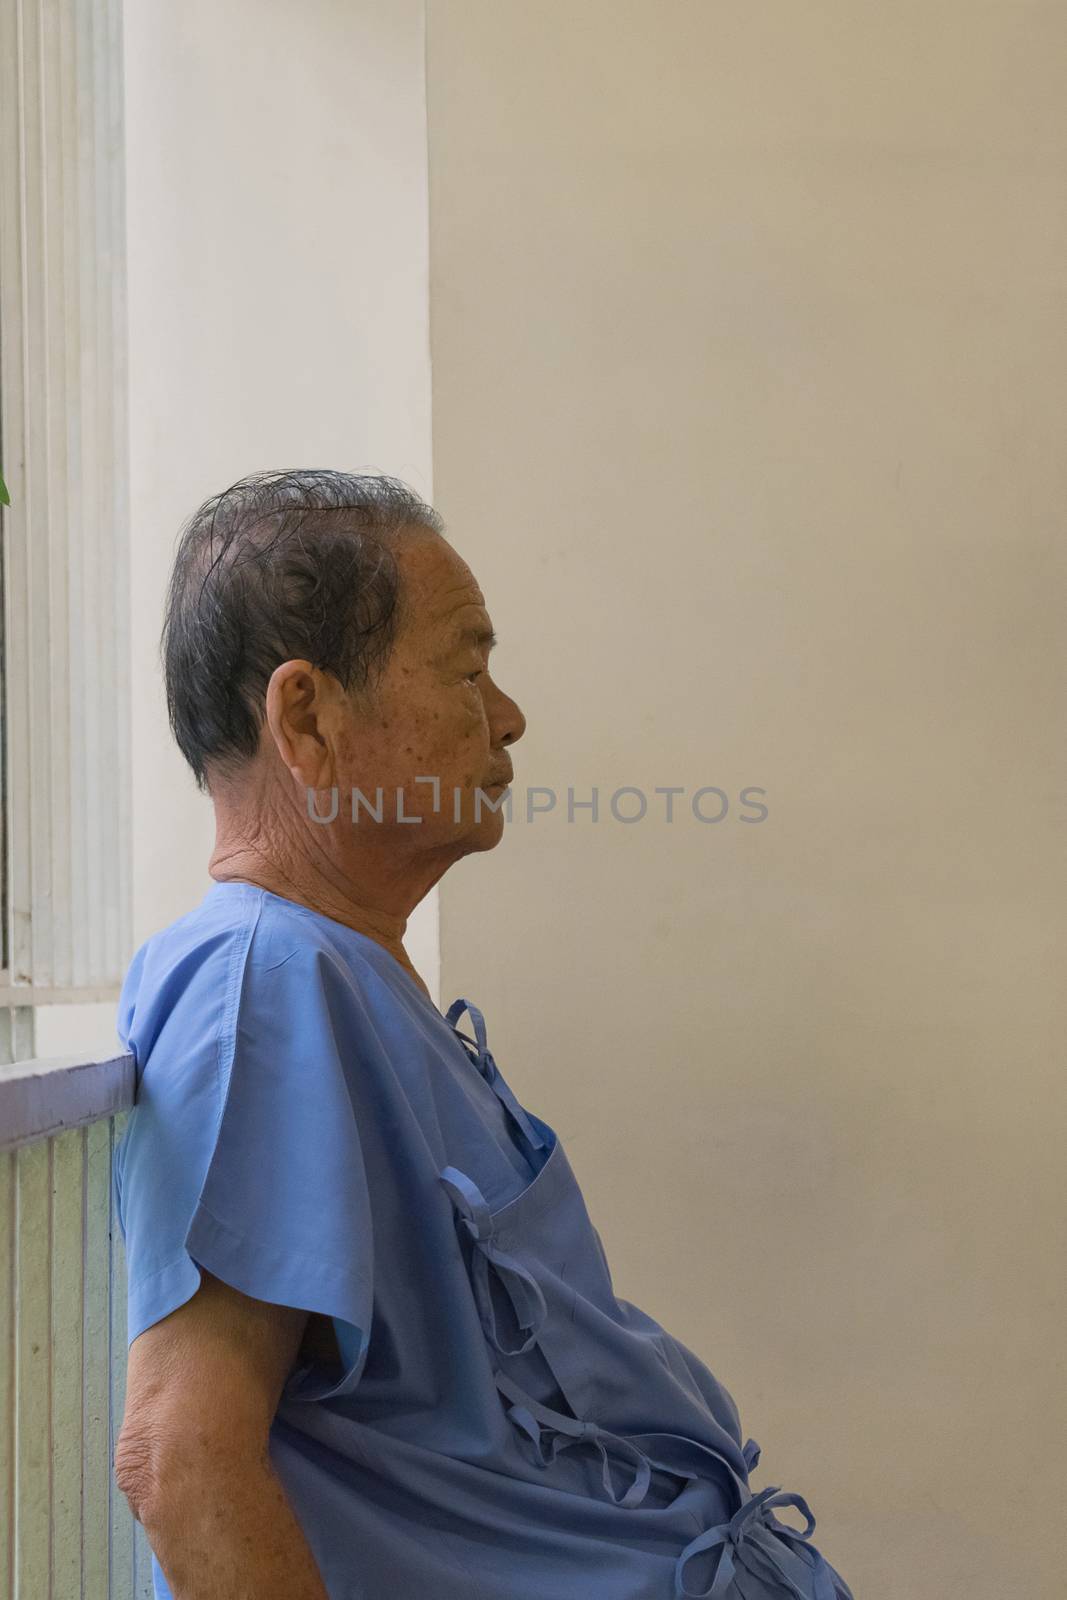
202 1388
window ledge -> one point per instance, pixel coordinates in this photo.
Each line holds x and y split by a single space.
39 1099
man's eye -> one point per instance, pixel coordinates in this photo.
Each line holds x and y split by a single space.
470 677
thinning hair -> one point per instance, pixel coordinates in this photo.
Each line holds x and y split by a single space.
281 566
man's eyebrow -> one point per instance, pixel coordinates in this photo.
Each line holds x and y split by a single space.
472 635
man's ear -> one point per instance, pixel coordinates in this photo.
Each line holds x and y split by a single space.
301 706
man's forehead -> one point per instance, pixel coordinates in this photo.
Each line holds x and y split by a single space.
458 615
443 588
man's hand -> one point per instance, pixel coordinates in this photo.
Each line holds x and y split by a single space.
192 1458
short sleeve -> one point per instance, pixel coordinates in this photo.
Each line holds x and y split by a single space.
242 1154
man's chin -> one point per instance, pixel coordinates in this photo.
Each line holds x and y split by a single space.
486 833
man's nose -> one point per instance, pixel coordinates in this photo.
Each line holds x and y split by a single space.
509 724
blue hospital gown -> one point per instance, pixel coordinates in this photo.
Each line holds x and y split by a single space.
312 1130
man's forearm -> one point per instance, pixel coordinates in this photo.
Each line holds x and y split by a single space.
231 1537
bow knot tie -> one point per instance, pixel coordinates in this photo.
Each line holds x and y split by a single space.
489 1262
552 1432
747 1541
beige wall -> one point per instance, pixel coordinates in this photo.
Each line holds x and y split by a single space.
750 372
278 283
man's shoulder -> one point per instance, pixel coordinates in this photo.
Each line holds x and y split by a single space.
183 966
242 947
203 936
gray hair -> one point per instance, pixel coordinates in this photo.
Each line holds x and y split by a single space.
280 566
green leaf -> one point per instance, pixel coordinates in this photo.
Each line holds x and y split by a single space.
5 498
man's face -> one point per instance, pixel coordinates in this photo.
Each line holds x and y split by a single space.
435 714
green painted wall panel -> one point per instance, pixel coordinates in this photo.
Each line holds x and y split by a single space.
68 1167
96 1456
66 1532
7 1375
33 1420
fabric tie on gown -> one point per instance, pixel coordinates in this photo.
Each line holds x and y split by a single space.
489 1070
522 1289
550 1431
741 1546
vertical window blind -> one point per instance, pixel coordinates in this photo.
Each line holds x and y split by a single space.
63 452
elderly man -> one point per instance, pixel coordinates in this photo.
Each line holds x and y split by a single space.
374 1346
